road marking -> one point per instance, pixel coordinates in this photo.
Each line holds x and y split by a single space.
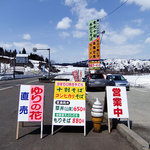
32 81
16 85
6 88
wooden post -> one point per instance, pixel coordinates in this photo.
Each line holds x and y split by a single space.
17 131
22 124
109 125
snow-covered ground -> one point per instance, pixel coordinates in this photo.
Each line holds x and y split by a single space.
66 72
139 80
134 80
28 72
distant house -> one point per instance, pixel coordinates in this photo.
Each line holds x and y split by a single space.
22 58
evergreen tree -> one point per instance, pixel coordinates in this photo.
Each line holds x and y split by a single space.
46 60
23 51
1 51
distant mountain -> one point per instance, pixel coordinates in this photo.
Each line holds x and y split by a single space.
125 66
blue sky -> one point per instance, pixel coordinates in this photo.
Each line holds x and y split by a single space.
62 26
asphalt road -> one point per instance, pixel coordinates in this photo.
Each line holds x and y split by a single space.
139 109
70 138
6 84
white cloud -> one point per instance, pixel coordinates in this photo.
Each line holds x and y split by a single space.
147 40
20 45
118 51
144 4
121 37
138 21
71 2
26 37
79 7
132 32
6 45
64 23
79 34
28 46
115 37
120 43
86 52
64 34
42 0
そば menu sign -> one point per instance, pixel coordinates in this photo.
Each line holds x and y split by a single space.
31 103
117 103
69 104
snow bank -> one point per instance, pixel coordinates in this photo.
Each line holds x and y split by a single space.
139 80
134 80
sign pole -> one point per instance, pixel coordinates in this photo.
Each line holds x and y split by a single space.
17 131
109 125
22 124
85 122
85 130
41 129
52 130
128 123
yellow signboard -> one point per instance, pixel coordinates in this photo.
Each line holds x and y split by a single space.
69 105
69 90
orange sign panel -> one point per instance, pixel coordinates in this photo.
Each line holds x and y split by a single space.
94 49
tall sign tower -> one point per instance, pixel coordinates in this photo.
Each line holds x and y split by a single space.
94 45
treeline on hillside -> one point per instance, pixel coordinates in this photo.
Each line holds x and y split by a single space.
9 53
13 53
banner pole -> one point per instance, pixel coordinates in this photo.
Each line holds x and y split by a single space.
17 131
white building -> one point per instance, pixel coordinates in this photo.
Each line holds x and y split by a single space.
22 58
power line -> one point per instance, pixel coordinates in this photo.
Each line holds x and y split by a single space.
110 13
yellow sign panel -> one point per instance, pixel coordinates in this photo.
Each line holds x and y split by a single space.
69 90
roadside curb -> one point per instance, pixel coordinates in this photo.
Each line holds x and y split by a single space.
137 141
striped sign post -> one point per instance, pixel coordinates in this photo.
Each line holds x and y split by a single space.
94 42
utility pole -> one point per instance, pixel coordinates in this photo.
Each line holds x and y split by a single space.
36 49
14 64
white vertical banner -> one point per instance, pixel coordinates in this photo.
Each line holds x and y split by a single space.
117 102
31 99
23 109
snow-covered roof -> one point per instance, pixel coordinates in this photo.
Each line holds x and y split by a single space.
22 55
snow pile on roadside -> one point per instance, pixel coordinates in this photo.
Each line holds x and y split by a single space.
139 80
66 72
134 80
